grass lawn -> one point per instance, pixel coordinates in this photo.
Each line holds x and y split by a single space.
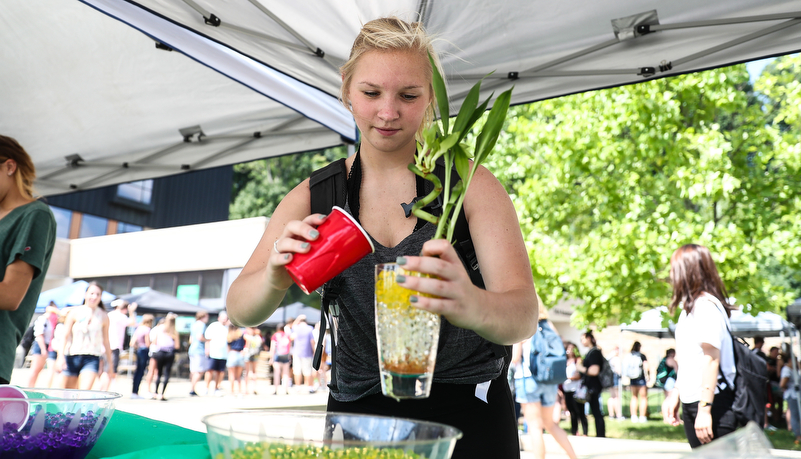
656 430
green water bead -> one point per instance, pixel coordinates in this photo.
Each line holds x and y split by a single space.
275 451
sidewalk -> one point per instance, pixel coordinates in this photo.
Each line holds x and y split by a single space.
185 411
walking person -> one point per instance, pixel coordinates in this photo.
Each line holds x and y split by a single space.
235 362
43 330
198 362
576 410
28 230
787 383
280 348
167 342
590 368
614 403
152 365
140 343
387 85
636 368
217 350
705 380
122 317
537 400
253 346
86 339
302 353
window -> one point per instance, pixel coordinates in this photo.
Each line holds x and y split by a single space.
123 227
118 286
63 221
211 284
93 226
140 191
164 283
140 282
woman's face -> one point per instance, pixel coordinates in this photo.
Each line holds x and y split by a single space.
389 93
585 341
93 294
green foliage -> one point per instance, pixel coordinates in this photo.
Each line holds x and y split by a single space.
260 185
609 183
442 142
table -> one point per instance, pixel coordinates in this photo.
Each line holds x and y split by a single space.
129 436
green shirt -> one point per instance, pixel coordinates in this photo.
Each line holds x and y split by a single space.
27 233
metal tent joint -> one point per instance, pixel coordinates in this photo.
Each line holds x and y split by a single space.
513 75
162 46
212 20
319 53
74 160
189 132
647 72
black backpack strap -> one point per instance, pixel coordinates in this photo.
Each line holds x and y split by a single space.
328 188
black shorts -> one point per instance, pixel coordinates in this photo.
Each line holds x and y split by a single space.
217 364
282 358
489 429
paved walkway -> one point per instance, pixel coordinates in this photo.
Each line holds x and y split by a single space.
185 411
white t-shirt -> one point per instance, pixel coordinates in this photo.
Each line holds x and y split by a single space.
707 323
789 393
117 324
571 385
217 336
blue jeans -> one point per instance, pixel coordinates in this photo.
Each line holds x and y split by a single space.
77 364
142 359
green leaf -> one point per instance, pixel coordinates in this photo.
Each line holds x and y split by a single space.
466 111
441 93
492 128
461 161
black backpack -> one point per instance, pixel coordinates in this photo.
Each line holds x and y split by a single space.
328 188
750 381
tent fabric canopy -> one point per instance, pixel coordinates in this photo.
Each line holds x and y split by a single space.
743 325
155 302
97 103
68 295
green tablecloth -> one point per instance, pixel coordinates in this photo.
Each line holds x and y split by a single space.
128 436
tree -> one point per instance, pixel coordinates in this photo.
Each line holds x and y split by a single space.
609 183
260 185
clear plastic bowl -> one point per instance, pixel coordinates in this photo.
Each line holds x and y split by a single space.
319 435
53 423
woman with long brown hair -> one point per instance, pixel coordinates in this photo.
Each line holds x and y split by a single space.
705 381
29 234
85 340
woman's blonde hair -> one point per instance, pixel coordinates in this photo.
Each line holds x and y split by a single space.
169 323
392 34
26 172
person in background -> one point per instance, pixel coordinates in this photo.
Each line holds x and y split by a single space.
590 368
198 362
280 348
86 339
536 399
140 343
638 384
253 346
615 403
167 342
791 396
775 394
152 365
666 373
28 230
576 410
217 350
122 317
55 347
705 381
235 362
302 352
759 343
43 330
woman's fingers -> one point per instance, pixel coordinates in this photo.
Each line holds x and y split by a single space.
295 238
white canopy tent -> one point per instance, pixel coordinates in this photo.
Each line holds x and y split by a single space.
97 103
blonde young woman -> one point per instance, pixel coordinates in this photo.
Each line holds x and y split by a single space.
28 231
166 341
235 363
85 340
387 85
253 345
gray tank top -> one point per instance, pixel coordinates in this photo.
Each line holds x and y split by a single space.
463 357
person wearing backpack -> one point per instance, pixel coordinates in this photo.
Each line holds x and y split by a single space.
590 369
538 398
636 368
704 348
387 85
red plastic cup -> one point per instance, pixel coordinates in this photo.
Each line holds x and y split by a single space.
14 406
342 242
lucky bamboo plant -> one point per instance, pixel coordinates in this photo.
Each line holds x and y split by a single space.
444 140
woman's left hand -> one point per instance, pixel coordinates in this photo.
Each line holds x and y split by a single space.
455 293
703 426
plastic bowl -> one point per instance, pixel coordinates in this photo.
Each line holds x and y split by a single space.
319 435
53 423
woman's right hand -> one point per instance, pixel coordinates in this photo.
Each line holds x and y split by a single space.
295 238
